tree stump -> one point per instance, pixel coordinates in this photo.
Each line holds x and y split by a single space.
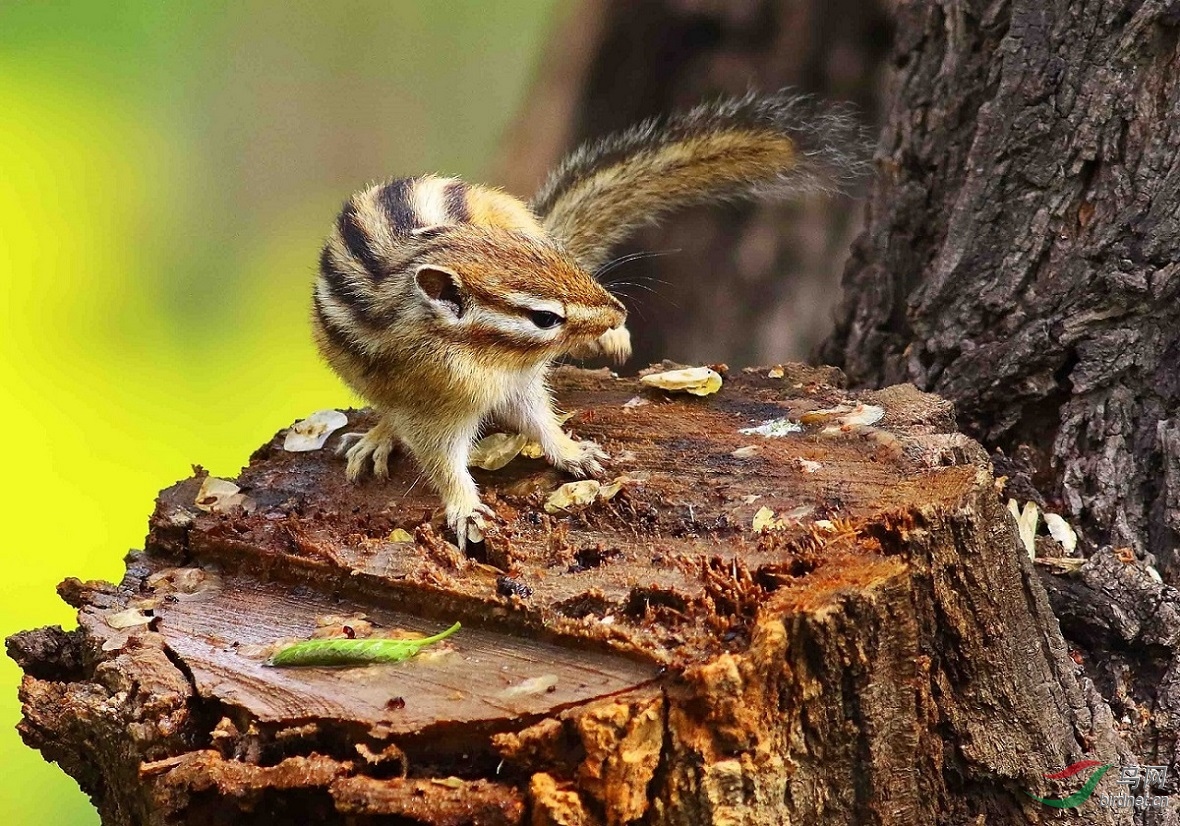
879 652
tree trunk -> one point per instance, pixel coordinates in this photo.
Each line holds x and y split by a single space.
758 282
1022 256
833 626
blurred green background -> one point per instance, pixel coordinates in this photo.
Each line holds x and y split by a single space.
167 173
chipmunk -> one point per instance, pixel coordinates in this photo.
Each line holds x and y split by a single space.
443 303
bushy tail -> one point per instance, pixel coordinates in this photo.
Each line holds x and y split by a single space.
749 147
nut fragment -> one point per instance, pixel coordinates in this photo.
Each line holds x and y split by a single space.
128 619
575 496
864 414
572 496
775 372
533 685
400 535
767 520
608 492
764 520
699 381
218 495
496 450
184 584
773 428
844 417
1061 530
1026 525
744 452
313 432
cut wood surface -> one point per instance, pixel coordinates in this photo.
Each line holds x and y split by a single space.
879 653
499 675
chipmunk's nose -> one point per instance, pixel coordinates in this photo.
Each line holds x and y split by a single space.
607 318
600 312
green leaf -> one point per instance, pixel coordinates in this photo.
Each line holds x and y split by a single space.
354 652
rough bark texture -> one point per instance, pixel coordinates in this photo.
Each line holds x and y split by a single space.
758 283
883 655
1022 256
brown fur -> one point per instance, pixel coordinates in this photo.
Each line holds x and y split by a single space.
443 303
604 208
495 209
751 147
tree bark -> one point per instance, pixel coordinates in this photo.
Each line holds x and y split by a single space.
882 653
757 282
1022 259
1022 255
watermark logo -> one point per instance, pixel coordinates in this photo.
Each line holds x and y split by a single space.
1081 795
1133 778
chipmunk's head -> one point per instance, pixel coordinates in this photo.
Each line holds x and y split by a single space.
422 261
511 292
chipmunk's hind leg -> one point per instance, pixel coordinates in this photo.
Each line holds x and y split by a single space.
375 445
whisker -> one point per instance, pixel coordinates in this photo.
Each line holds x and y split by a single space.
637 302
610 266
614 288
653 280
639 312
410 489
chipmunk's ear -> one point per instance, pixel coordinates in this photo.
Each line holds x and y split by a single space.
442 288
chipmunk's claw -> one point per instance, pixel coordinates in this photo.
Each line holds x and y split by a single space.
469 522
376 445
583 460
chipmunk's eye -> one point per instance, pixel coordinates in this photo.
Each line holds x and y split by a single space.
545 319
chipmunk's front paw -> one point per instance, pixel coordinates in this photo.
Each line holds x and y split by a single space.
582 459
376 445
469 522
613 344
616 344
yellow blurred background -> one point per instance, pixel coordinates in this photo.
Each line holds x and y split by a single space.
167 173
